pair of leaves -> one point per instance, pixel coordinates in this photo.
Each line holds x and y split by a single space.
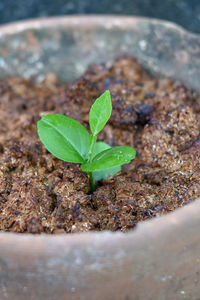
68 140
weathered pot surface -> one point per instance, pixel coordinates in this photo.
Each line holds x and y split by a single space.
160 258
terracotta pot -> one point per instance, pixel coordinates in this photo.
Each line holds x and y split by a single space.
160 259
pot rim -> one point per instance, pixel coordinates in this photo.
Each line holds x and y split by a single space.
158 225
94 19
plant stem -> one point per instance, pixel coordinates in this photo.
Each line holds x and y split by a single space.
92 183
92 144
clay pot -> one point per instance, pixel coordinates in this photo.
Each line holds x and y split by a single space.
160 259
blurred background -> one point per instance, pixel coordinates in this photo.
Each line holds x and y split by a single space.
183 12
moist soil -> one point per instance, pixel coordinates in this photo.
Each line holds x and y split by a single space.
159 118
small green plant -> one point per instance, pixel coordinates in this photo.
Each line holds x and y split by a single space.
68 140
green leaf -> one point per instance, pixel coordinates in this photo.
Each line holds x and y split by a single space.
64 137
100 113
103 174
99 147
110 158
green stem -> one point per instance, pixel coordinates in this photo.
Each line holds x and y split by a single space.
92 144
92 183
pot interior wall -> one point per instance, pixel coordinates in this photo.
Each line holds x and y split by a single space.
66 46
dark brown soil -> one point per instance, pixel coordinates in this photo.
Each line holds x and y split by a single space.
159 118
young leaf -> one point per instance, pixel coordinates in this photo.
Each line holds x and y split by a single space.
99 147
103 174
64 137
100 113
110 158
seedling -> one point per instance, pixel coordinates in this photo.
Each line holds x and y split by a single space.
68 140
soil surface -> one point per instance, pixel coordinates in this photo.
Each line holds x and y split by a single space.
159 118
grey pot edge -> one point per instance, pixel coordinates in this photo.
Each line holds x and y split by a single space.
94 19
